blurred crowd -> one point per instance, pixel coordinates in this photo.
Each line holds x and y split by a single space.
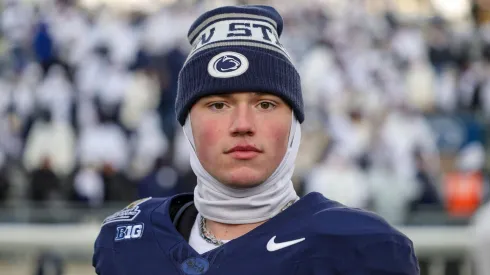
396 108
87 103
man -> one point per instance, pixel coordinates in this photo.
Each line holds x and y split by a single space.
240 105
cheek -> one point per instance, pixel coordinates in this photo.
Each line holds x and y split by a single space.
208 139
278 135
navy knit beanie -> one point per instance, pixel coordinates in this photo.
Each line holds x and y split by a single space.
237 49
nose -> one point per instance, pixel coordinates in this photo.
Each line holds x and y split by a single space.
243 121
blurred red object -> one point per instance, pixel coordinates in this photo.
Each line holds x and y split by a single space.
463 193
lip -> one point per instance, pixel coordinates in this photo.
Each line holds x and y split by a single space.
244 152
244 148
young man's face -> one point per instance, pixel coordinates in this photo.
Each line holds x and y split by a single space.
242 137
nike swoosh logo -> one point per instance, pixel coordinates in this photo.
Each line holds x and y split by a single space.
273 246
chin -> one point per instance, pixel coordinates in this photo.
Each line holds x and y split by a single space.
244 177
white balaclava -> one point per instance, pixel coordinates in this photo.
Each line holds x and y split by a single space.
218 202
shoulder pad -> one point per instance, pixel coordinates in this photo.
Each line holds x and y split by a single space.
342 220
136 212
392 254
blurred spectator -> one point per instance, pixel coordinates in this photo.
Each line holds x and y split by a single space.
89 187
420 84
112 90
4 180
52 138
168 67
44 46
392 193
321 91
11 134
149 143
22 95
445 91
429 192
56 94
439 44
403 132
352 131
104 143
338 178
118 186
87 76
141 96
70 32
161 181
16 26
45 185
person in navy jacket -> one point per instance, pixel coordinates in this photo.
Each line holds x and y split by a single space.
240 104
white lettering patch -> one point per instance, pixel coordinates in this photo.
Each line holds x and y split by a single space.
250 31
129 213
128 232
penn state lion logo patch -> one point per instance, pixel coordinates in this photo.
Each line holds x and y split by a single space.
128 213
228 64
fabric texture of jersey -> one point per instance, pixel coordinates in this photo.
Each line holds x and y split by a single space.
315 236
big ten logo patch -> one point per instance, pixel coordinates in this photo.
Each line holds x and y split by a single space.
129 232
129 213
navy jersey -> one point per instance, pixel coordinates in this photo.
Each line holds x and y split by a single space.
314 236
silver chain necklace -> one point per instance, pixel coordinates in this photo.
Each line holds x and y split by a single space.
210 238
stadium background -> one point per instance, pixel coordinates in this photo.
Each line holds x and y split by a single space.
397 95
